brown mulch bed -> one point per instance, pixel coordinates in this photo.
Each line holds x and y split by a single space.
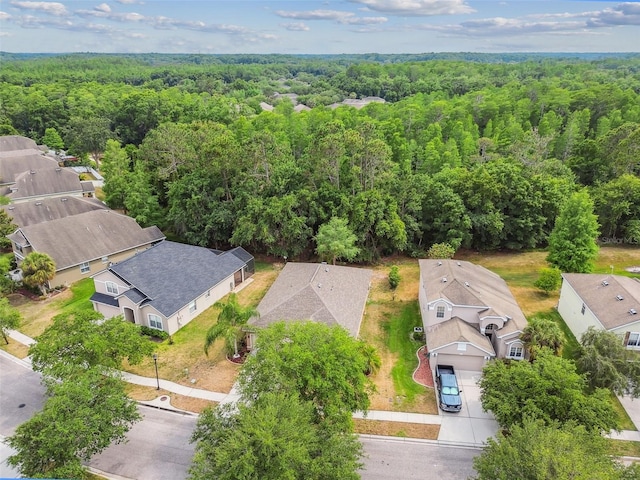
423 374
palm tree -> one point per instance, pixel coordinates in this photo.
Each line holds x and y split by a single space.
371 357
37 269
231 319
540 333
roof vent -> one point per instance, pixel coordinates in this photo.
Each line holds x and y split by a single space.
439 264
32 172
11 208
444 279
619 297
64 199
58 169
459 264
466 284
38 203
605 283
632 311
319 285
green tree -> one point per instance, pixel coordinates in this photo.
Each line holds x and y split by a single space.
81 418
80 340
548 389
441 250
606 363
116 173
572 243
140 201
88 136
394 277
273 437
549 280
9 318
37 269
53 140
231 319
7 227
542 333
535 451
373 362
321 364
336 240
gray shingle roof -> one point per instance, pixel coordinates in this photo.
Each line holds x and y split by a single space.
12 143
45 181
47 209
88 236
11 167
103 298
456 330
602 299
173 274
329 294
470 284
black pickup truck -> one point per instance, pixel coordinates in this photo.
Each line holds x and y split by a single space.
448 392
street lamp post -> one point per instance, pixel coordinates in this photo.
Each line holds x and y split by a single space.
155 361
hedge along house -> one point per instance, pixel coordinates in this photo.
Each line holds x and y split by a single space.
469 315
170 284
330 294
605 302
85 243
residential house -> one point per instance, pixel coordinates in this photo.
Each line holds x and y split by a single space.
52 208
469 315
12 145
331 294
83 244
169 284
605 302
37 184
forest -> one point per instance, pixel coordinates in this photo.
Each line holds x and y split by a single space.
477 151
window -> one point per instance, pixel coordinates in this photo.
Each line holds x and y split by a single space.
515 351
84 267
155 321
462 347
634 340
112 288
440 311
193 307
105 259
584 307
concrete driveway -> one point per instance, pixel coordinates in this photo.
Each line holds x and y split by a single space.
471 426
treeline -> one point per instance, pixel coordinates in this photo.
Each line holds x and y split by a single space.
478 155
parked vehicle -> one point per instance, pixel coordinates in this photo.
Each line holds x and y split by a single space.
448 391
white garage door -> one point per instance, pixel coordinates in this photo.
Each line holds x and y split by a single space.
459 362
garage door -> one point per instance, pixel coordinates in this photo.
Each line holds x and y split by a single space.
459 362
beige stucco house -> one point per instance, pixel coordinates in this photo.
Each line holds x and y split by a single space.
168 285
83 244
605 302
469 315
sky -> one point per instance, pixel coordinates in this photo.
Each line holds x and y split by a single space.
318 27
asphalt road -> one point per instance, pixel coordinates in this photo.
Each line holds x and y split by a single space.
389 459
159 447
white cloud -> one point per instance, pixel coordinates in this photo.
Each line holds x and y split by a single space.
417 7
346 18
295 26
103 7
622 14
52 8
130 2
4 16
31 21
5 34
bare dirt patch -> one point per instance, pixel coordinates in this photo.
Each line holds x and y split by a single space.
37 314
15 348
396 429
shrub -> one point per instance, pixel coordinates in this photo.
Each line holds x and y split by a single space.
394 277
152 332
441 250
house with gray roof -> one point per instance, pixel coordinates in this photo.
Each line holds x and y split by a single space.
10 145
85 243
36 184
168 285
52 208
469 315
331 294
605 302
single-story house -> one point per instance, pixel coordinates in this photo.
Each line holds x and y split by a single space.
606 302
52 208
331 294
169 284
85 243
469 315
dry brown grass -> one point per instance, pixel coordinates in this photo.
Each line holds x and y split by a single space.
37 314
15 348
396 429
181 402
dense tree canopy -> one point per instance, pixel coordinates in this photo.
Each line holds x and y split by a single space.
548 389
480 153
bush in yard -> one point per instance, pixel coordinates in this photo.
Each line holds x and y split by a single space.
394 277
441 250
549 280
153 332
